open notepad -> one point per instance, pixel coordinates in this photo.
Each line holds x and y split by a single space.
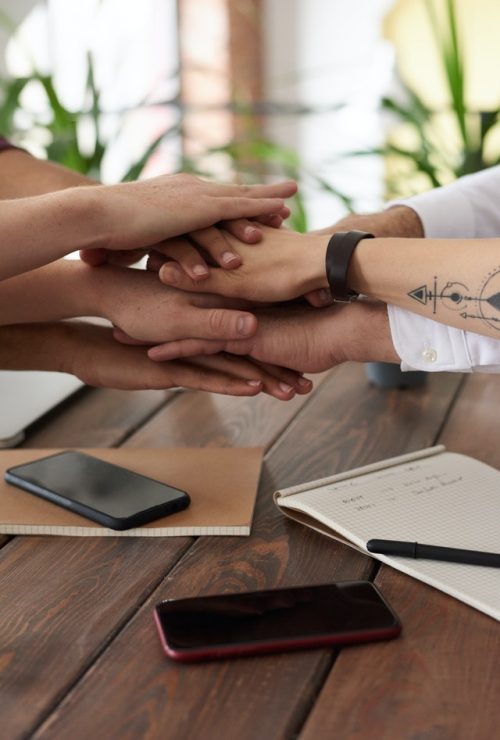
431 496
222 484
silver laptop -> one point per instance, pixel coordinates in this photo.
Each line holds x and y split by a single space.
25 396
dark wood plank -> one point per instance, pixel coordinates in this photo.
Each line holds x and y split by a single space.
64 600
43 580
96 417
64 562
473 426
133 691
439 681
447 659
210 420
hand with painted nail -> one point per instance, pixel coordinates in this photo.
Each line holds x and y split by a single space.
142 215
217 250
195 252
284 266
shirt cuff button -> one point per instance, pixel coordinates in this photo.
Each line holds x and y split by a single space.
429 355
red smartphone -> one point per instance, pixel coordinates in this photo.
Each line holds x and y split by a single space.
210 627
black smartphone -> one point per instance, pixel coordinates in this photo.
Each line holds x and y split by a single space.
108 494
212 627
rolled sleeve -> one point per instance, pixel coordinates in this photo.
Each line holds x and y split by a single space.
424 344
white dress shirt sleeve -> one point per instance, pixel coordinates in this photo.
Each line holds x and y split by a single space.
468 208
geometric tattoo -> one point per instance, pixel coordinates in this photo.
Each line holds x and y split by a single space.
455 296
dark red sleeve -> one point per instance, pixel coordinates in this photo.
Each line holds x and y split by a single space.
4 145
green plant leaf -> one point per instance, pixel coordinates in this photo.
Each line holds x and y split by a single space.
135 169
298 217
451 56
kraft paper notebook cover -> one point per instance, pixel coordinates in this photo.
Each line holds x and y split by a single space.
222 484
431 496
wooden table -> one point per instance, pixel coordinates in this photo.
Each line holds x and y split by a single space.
79 656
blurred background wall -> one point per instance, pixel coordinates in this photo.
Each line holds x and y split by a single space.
359 99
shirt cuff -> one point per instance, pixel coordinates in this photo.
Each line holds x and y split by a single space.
425 344
445 213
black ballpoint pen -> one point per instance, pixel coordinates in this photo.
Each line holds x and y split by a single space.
433 552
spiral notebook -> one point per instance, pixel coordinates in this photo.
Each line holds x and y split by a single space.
221 482
431 496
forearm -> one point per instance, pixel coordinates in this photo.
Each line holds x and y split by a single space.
452 281
65 289
396 221
23 176
37 347
36 231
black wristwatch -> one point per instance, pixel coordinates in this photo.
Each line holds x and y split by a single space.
338 256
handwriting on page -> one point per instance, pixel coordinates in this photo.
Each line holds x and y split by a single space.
447 499
434 499
414 480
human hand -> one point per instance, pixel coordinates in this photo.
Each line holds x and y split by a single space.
303 338
91 353
221 252
142 214
394 221
284 266
99 360
143 310
136 302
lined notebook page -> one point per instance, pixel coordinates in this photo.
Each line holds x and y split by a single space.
447 499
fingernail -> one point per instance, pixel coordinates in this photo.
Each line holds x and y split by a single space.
325 296
251 231
254 383
200 270
285 387
228 257
304 382
244 325
171 274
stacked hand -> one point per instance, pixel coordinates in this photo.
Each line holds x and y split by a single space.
136 216
284 266
203 239
219 280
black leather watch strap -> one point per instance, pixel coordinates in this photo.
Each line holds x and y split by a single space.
338 256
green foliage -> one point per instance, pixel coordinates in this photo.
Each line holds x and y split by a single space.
432 155
428 155
254 157
61 128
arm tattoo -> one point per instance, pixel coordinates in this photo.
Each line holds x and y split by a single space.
455 296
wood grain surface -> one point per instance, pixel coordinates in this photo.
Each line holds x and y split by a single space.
133 691
114 580
441 679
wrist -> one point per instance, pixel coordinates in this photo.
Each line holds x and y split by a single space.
47 347
371 338
365 265
81 295
101 290
313 271
396 220
82 212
